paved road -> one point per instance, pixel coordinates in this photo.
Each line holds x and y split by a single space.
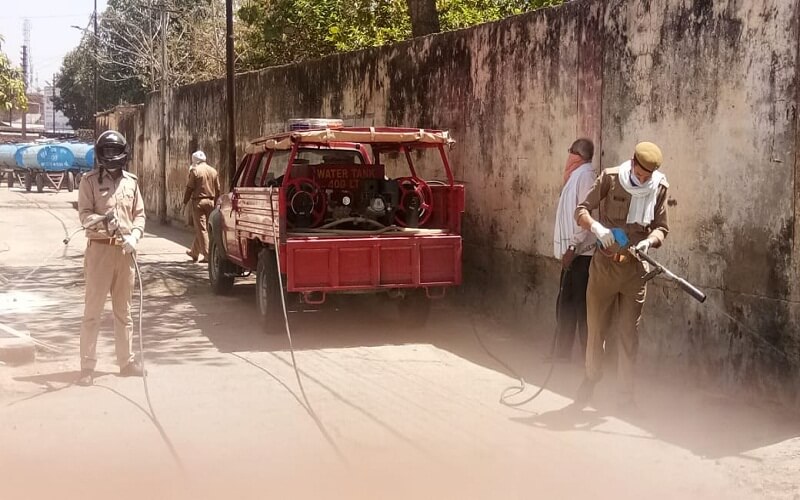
395 412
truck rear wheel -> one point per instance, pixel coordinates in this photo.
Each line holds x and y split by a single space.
414 308
69 177
220 269
40 183
268 290
28 181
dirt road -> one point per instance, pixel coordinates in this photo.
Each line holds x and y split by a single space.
395 412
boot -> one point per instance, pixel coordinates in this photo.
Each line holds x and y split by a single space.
132 369
585 392
87 378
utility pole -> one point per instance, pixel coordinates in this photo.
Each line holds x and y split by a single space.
162 193
53 103
230 93
96 45
25 89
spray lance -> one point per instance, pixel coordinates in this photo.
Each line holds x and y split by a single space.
657 268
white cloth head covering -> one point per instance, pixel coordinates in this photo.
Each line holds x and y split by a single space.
198 157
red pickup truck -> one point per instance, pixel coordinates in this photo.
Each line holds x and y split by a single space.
348 211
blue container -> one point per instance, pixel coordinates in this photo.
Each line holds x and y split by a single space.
50 157
7 155
84 154
18 155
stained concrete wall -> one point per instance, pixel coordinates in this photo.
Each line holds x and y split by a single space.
714 83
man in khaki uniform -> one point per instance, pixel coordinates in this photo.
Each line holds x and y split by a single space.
633 197
111 208
202 189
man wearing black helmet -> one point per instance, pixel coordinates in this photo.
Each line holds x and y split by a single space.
111 208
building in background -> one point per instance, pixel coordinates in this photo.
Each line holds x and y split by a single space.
54 121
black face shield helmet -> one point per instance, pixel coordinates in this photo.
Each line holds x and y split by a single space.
111 150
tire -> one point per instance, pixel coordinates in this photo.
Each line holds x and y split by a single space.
10 179
78 178
28 181
70 181
268 291
414 309
40 183
220 269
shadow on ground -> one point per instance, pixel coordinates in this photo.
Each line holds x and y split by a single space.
184 323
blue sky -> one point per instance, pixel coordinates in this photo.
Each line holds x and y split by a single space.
51 34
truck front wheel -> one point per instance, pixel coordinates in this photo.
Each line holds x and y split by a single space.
268 290
220 269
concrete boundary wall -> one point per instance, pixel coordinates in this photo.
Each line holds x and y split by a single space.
714 83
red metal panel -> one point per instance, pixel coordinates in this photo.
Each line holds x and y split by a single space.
437 264
354 266
396 265
372 263
311 268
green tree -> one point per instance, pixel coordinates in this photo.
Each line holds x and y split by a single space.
12 88
274 32
128 54
75 82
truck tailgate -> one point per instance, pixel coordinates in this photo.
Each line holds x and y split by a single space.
375 262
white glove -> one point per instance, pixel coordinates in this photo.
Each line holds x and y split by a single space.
643 246
603 234
129 242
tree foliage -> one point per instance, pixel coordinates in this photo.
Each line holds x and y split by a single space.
76 84
12 88
129 54
275 32
267 33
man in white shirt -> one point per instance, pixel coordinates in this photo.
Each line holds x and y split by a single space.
574 246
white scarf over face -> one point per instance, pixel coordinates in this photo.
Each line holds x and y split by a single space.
643 196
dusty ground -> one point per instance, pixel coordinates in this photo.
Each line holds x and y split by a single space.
395 412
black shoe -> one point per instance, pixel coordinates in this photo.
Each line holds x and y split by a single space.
87 378
585 392
132 369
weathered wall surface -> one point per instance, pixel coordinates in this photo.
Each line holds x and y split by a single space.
715 83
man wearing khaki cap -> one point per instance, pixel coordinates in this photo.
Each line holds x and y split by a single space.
202 189
632 197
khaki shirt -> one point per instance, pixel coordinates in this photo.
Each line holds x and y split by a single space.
121 196
203 183
613 202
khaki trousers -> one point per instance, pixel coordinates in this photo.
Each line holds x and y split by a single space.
614 288
106 269
201 209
